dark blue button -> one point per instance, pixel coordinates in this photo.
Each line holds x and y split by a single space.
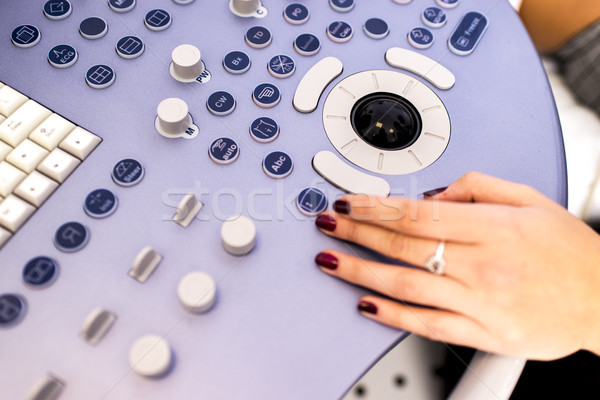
468 33
127 172
100 76
434 17
339 31
100 203
130 47
62 56
157 20
296 13
307 44
258 37
376 28
25 36
12 309
220 103
57 9
281 66
40 271
311 202
71 237
93 28
342 5
121 5
278 165
447 3
264 129
420 38
236 62
224 151
266 95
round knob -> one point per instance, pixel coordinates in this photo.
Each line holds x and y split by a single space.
186 62
173 117
244 7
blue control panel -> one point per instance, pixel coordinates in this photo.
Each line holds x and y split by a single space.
162 163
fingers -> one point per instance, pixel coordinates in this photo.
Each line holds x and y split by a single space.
480 188
402 283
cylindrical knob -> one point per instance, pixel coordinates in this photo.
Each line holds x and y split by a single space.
245 7
186 61
173 116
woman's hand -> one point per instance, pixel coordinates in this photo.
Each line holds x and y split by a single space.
522 275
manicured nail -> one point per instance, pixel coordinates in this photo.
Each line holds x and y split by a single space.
431 193
326 222
341 206
367 307
326 260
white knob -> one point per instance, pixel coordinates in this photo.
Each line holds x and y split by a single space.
244 7
186 62
173 117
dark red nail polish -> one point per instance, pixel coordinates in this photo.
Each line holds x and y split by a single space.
367 307
326 260
341 206
326 222
433 192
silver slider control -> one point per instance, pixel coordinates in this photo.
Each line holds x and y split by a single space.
349 179
314 82
421 65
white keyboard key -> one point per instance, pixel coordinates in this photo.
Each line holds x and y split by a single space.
58 165
10 100
312 85
27 155
36 188
4 236
14 212
19 124
80 143
50 132
4 150
10 177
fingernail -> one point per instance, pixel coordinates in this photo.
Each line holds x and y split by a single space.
367 307
433 192
326 222
326 260
341 206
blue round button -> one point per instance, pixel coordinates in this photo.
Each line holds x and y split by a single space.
40 271
258 37
281 66
296 14
25 36
266 95
157 20
264 129
278 165
220 103
100 76
236 62
121 5
57 9
434 17
339 31
62 56
376 28
311 202
71 237
307 44
127 172
100 203
420 38
93 28
342 5
130 47
12 309
224 151
447 3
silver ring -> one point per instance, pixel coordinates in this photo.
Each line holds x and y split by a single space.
436 263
